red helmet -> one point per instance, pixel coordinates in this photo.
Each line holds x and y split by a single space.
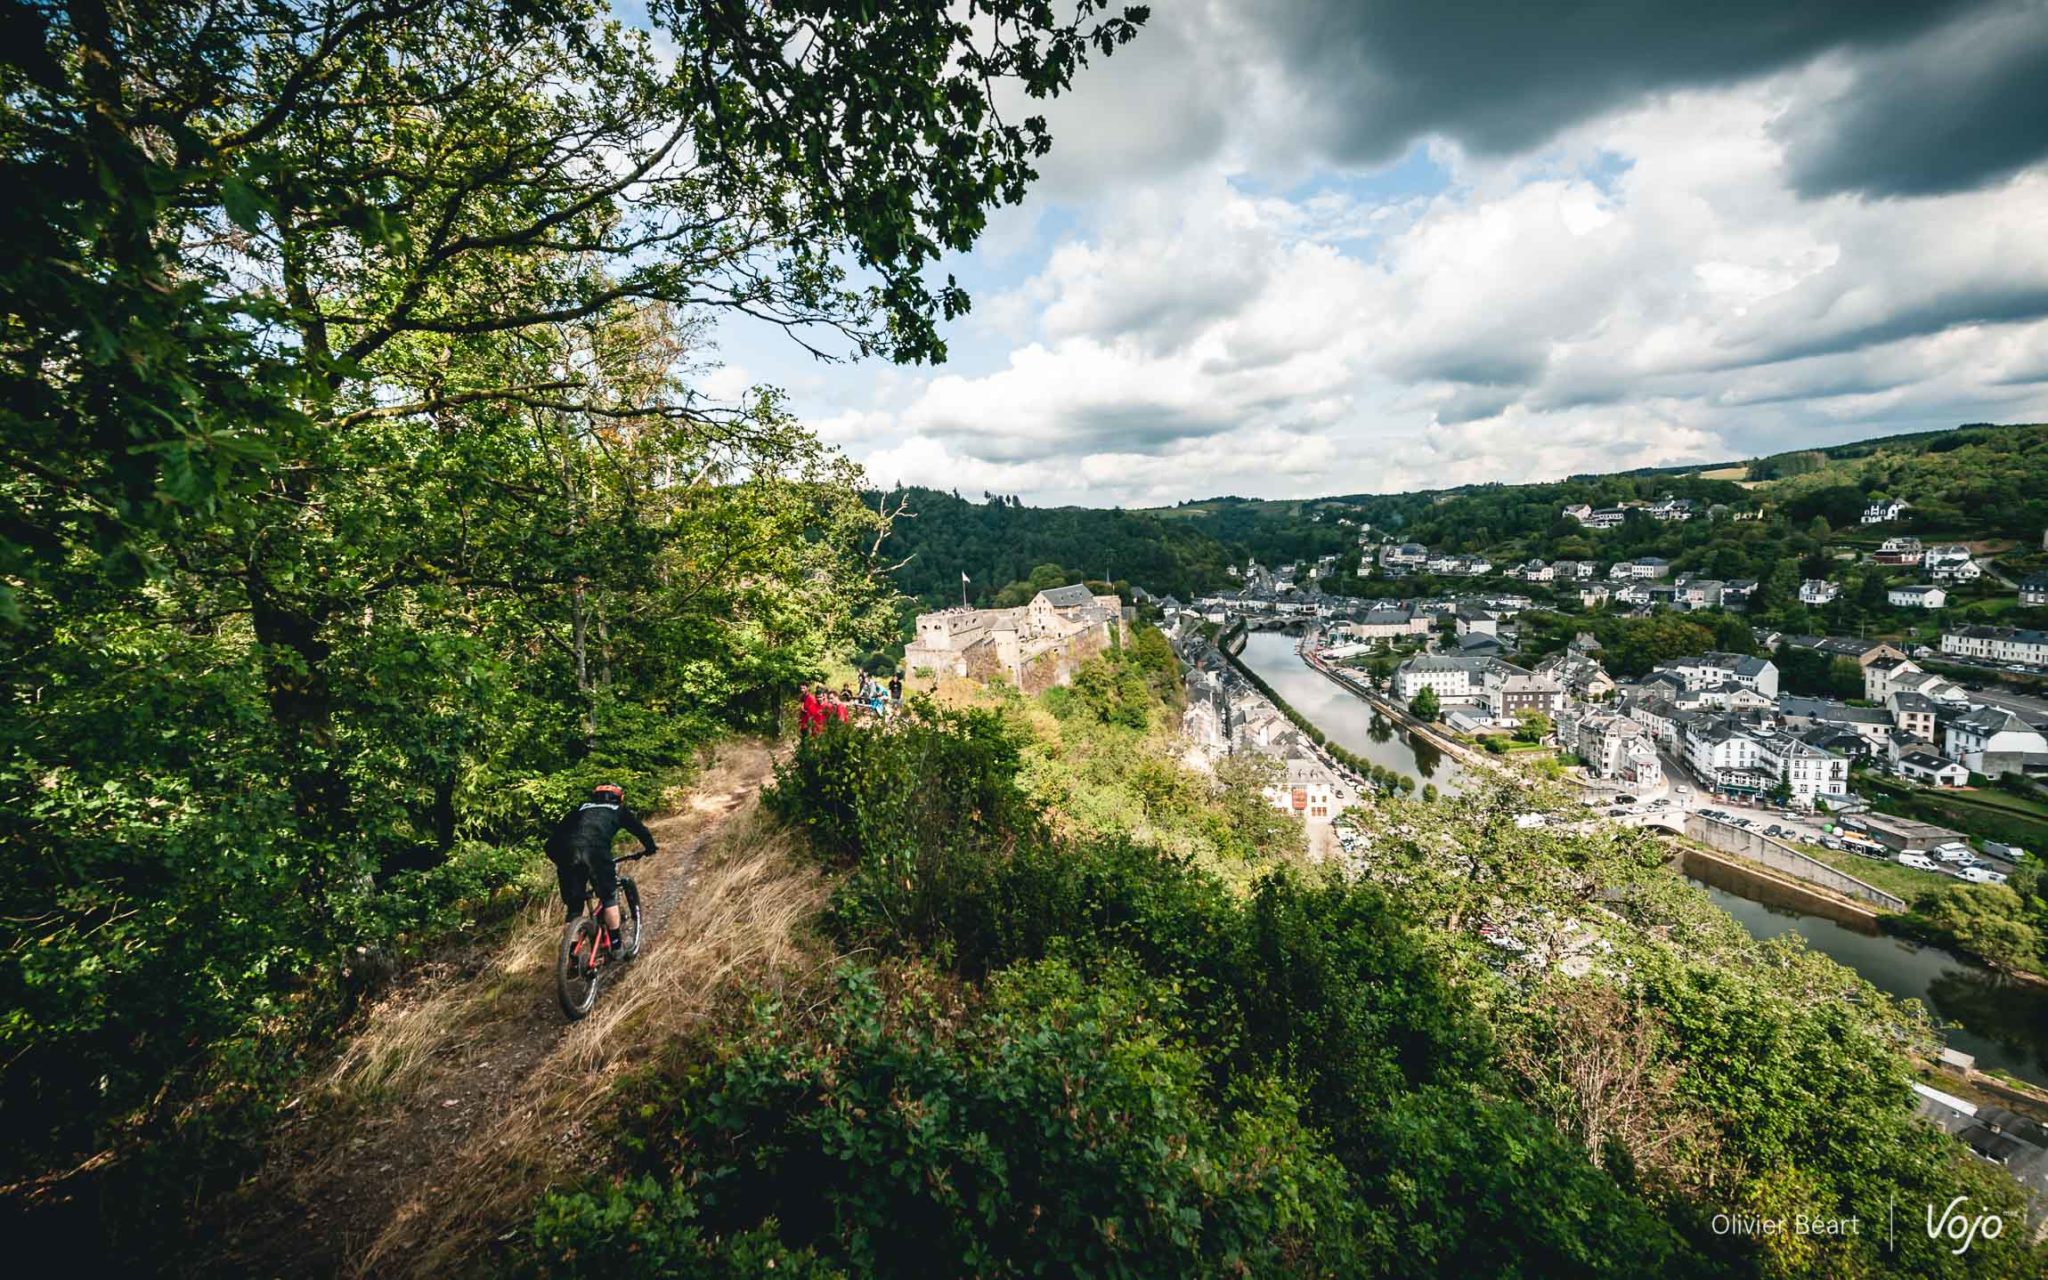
609 789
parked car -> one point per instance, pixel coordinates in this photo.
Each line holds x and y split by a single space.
1957 853
1624 799
1981 875
1918 861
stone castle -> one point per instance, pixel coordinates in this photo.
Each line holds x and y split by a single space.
1033 647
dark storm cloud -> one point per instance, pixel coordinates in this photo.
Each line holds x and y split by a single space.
2012 302
1966 105
1501 76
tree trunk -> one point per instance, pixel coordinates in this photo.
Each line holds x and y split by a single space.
579 638
302 707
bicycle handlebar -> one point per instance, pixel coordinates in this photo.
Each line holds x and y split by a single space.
635 857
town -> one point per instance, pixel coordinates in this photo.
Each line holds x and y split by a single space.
1762 782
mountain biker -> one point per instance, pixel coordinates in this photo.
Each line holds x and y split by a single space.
581 849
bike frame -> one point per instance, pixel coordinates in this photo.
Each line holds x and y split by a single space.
593 908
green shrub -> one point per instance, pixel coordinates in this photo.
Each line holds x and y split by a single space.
1050 1125
1320 982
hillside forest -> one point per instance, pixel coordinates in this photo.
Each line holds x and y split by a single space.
360 506
1799 516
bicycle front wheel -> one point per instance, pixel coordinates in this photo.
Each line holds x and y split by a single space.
576 971
629 918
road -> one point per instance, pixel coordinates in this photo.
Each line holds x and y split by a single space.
1681 793
2026 707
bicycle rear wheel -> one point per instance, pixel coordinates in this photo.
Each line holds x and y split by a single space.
629 918
575 979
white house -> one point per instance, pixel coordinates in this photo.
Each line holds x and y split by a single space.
1460 678
1310 791
1806 770
1934 770
1917 597
1950 562
1385 622
1888 677
1596 518
1640 567
1712 670
1619 749
1992 741
1473 620
2034 589
1818 591
1900 550
1885 509
1721 752
1997 644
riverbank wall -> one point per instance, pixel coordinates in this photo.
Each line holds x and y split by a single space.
1758 883
1393 711
1743 843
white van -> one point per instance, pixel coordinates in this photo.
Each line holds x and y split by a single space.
1981 875
1918 861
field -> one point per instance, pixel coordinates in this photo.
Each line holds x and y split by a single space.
1883 873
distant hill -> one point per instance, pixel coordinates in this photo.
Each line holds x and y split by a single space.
1978 481
998 541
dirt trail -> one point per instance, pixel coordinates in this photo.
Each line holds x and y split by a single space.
437 1083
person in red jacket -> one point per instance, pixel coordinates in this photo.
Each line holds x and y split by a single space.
811 715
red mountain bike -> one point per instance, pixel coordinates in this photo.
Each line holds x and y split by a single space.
587 957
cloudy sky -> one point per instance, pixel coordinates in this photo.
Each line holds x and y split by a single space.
1295 247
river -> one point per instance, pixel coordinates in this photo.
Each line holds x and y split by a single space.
1344 717
2003 1024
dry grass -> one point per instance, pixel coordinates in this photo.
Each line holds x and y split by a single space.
741 923
405 1033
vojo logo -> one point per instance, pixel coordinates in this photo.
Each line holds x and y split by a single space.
1964 1229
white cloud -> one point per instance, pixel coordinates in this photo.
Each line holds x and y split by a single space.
1647 287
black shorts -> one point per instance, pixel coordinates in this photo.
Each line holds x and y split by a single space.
600 873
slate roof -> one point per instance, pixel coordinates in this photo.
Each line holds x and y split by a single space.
1069 597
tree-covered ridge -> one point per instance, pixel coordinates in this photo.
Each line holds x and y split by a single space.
1090 1015
937 536
1981 481
1975 483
